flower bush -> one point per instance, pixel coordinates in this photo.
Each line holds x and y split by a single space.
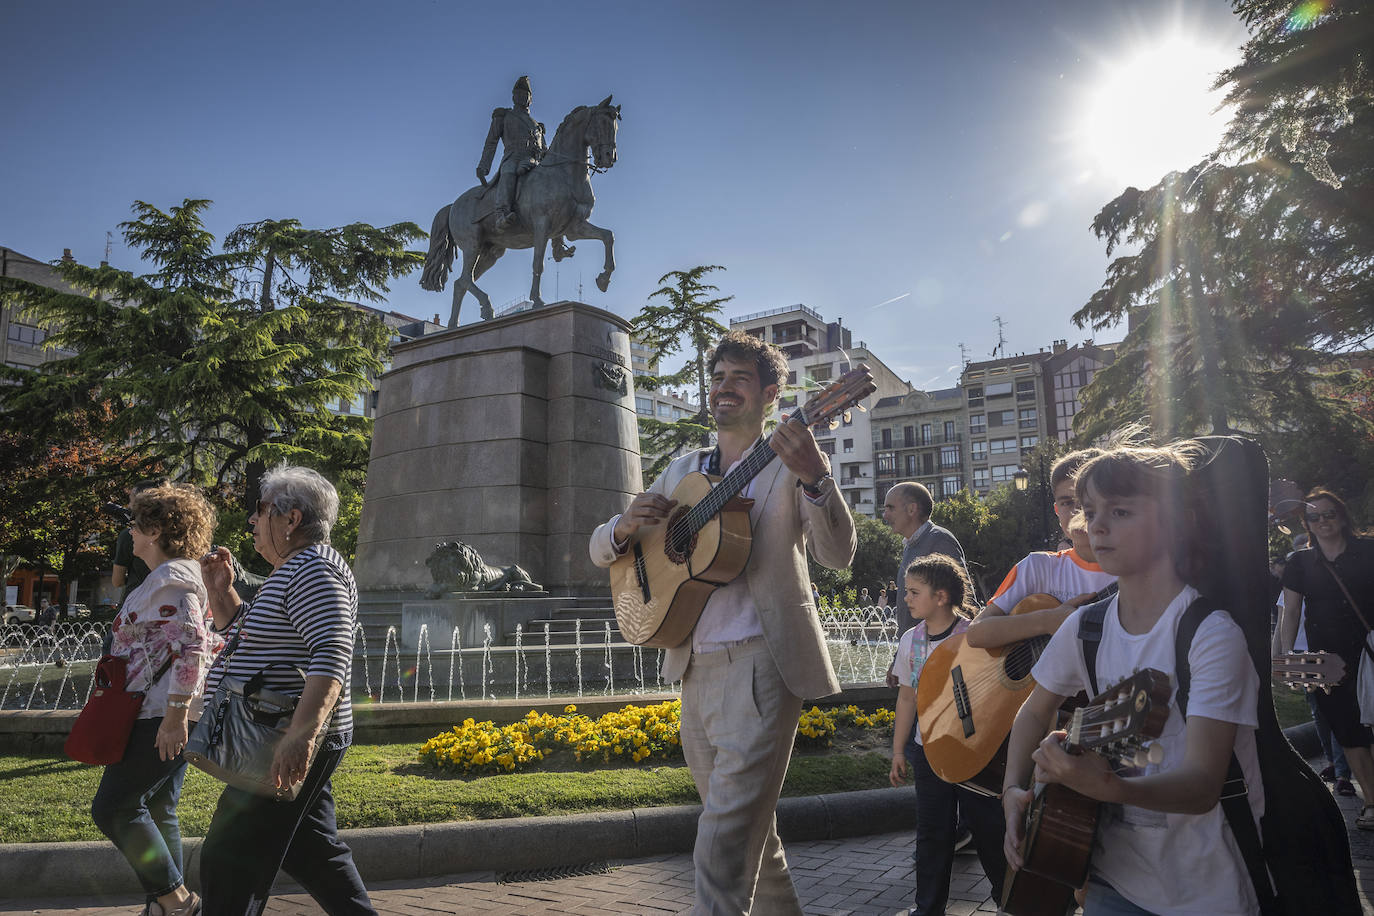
630 735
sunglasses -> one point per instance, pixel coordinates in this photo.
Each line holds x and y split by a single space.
1330 515
265 507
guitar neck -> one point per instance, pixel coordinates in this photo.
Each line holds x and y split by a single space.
731 485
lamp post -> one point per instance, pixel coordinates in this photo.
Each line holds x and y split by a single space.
1021 479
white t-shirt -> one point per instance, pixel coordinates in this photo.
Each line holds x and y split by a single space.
1171 863
912 651
1064 575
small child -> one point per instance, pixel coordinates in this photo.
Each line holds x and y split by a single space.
938 597
1164 844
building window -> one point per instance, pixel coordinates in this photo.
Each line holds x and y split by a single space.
1001 417
1002 446
792 377
822 373
665 411
908 436
975 395
849 446
980 478
949 486
887 438
827 446
979 449
911 465
925 434
644 406
1003 473
928 463
23 334
977 424
949 456
1029 418
998 389
949 430
789 401
1025 390
887 463
1029 442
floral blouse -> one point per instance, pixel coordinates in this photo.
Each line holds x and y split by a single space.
167 616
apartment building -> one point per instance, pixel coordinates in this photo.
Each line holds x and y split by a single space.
21 339
1005 402
819 352
920 436
1067 371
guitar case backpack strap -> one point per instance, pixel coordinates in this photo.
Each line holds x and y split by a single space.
1090 637
1235 800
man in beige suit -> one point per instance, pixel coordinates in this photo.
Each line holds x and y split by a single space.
757 649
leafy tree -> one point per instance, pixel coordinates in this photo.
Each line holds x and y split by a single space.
51 491
220 363
877 555
1251 268
686 312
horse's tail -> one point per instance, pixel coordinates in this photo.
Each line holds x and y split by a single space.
439 261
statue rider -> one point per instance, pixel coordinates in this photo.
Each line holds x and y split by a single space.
522 138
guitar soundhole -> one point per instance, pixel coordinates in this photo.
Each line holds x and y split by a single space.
1022 657
681 540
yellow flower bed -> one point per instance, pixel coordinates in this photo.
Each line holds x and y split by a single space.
631 735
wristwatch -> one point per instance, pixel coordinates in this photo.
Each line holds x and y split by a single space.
179 704
814 489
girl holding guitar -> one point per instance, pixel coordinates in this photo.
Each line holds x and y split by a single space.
938 597
1164 844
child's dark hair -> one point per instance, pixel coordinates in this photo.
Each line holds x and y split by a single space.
942 574
1065 468
1159 472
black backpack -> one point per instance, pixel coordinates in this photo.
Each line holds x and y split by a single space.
1302 840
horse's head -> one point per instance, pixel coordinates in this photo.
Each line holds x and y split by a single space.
600 133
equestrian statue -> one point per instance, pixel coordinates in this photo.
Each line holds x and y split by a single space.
539 194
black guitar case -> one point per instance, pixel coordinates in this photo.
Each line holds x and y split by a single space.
1304 834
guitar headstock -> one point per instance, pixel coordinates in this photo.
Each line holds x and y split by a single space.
1310 670
837 397
1117 722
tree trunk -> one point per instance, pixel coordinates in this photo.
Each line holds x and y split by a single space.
705 412
269 268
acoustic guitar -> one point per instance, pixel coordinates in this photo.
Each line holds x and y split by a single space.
1310 670
669 570
967 700
1060 825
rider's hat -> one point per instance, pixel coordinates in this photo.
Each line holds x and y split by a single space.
522 83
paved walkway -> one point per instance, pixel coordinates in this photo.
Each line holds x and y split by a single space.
861 875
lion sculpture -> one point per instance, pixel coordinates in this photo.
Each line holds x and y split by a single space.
456 567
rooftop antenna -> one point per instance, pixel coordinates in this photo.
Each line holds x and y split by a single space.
963 355
1001 338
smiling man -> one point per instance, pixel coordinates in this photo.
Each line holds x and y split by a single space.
756 650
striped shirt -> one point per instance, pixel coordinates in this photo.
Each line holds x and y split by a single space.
302 617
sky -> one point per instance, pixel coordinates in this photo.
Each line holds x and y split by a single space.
915 169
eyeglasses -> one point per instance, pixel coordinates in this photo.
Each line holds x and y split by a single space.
1330 515
265 507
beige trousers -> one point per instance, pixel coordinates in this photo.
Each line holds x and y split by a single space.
738 724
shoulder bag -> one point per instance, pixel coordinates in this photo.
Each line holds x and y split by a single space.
100 734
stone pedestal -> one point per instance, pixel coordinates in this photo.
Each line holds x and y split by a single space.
471 615
517 436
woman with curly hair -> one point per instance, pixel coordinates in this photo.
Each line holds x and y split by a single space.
163 631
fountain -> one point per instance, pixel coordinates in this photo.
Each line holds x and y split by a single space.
54 669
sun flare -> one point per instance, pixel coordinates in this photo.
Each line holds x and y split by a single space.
1154 111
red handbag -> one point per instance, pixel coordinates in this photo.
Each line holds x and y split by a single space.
101 732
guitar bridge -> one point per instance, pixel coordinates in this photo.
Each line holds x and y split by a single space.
961 699
641 574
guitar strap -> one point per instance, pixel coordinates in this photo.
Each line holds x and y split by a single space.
1235 803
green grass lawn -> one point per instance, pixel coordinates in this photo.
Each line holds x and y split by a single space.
43 799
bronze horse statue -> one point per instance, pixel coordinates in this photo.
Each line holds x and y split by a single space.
553 202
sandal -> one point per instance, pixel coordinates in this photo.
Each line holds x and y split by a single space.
1366 819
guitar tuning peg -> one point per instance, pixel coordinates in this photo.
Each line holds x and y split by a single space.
1154 754
834 424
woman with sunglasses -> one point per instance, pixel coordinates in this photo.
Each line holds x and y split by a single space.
1337 561
301 618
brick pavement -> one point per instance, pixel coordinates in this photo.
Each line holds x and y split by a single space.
859 875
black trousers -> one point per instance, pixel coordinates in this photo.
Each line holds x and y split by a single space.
938 805
251 837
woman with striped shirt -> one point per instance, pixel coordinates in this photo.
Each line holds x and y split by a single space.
302 618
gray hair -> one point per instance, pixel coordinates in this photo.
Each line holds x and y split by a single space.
289 487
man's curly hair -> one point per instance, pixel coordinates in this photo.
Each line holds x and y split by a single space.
184 518
743 347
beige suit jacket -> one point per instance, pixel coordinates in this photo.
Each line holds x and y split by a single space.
785 524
